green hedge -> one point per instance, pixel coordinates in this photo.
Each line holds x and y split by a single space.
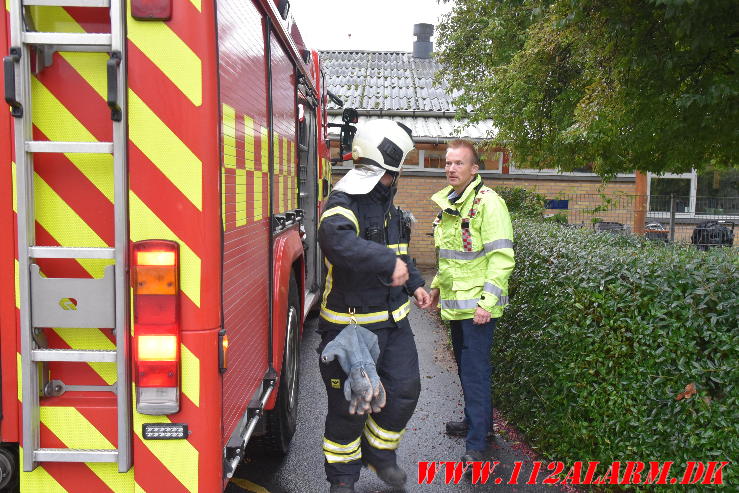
522 202
604 332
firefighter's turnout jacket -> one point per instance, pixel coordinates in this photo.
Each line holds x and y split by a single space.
361 236
474 240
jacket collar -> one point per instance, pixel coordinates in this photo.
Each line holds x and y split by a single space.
441 198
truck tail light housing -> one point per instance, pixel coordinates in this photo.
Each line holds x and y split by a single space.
151 10
156 326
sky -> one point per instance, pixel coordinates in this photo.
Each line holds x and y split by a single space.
377 25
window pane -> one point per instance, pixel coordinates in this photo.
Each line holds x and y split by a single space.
435 158
662 188
718 192
411 159
491 160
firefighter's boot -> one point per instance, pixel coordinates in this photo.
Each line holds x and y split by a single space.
342 487
391 475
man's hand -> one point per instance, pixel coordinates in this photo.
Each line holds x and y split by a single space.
433 298
423 300
481 316
400 274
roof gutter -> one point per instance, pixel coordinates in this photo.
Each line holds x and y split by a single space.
422 140
398 113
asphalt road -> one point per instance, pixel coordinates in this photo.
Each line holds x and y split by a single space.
441 400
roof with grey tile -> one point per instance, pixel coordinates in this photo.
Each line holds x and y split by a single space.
375 82
388 80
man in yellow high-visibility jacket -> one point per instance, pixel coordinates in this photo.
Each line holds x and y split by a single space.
474 238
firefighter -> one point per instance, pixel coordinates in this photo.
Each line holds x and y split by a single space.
364 238
474 238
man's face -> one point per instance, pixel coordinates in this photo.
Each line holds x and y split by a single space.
459 168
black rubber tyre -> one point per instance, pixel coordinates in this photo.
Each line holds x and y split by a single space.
282 420
8 470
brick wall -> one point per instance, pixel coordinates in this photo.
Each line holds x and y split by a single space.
416 187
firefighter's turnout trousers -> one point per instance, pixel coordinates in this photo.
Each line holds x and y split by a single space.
352 439
362 236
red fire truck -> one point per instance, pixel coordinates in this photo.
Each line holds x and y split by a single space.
162 168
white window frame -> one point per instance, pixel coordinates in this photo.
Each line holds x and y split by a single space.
514 170
691 214
422 165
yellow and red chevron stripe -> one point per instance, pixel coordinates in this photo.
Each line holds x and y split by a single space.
285 180
173 189
245 171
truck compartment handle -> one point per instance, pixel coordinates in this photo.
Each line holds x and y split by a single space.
10 96
113 63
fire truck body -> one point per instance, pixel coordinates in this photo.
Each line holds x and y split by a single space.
162 333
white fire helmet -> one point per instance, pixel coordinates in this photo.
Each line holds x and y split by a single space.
379 146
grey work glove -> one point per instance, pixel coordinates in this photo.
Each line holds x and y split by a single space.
358 391
378 398
357 350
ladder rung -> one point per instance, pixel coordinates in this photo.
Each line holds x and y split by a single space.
74 455
82 48
67 252
69 3
81 39
70 147
74 355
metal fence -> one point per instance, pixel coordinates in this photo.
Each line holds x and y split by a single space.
702 221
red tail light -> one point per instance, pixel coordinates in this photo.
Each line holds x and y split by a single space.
156 328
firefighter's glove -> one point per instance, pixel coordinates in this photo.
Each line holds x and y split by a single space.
378 398
357 351
358 391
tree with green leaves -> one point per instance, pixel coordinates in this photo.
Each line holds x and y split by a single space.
621 85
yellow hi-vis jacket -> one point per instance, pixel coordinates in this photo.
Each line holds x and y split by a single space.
474 239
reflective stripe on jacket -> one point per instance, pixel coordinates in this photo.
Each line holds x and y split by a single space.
474 238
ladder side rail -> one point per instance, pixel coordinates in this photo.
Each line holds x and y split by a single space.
120 161
23 129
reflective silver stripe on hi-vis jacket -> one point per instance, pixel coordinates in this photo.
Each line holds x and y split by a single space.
498 245
491 288
487 248
457 255
469 304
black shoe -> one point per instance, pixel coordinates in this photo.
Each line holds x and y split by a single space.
460 428
341 487
457 428
391 475
472 456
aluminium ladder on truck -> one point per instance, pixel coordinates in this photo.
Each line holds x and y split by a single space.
99 303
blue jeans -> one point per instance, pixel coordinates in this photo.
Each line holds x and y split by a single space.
472 345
